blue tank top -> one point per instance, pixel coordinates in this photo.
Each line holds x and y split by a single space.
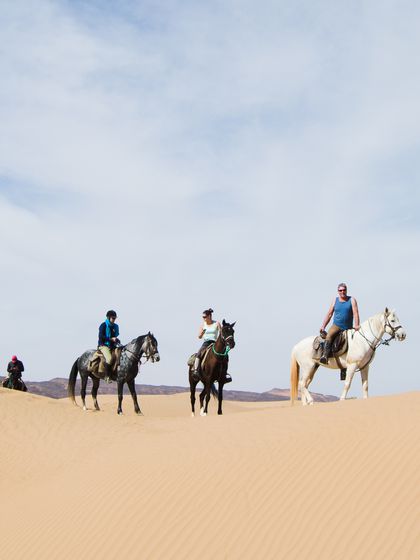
343 314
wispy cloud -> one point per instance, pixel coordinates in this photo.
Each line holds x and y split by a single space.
161 157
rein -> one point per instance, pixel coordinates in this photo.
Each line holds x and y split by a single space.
379 342
226 350
139 356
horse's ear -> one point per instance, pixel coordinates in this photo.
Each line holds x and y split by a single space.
223 322
386 311
233 324
149 333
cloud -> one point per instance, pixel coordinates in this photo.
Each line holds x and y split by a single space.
162 157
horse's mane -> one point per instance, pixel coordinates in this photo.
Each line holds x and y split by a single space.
142 336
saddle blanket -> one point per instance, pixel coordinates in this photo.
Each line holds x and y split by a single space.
339 346
191 359
97 362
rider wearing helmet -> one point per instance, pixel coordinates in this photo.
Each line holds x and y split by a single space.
107 340
346 316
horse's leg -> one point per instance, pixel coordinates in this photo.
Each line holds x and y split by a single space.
204 398
347 383
208 394
132 386
95 387
83 389
120 395
307 374
364 373
220 398
193 385
203 392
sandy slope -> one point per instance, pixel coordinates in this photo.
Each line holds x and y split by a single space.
339 480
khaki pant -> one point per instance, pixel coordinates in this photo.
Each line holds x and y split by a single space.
332 333
106 351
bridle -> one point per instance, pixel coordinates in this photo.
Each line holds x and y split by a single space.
227 347
148 353
378 340
393 330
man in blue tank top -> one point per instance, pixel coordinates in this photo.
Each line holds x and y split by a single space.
346 316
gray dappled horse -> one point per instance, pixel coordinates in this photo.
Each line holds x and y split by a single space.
128 368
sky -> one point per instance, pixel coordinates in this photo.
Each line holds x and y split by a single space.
159 158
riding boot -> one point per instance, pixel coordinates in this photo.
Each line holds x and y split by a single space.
326 352
196 370
107 377
228 377
343 373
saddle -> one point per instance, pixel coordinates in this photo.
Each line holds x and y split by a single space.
191 359
97 363
339 346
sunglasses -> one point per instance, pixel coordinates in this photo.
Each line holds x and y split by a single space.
343 290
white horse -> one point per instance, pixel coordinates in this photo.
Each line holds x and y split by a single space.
362 345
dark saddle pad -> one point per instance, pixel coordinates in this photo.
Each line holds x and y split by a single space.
339 346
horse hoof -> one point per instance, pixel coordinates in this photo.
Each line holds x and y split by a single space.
84 408
139 413
192 415
202 413
119 413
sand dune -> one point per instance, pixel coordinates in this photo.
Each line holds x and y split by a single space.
336 480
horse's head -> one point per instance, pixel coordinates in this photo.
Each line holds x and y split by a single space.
392 325
150 348
227 333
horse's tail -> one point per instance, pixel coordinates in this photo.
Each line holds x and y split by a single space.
72 381
294 379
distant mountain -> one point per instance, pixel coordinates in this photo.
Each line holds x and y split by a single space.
57 389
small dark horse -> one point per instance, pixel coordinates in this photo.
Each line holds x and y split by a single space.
214 369
145 345
15 382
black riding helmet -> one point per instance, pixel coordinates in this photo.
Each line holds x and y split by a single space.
111 313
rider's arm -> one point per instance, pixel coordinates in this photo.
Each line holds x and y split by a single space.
356 319
201 332
102 335
328 316
116 331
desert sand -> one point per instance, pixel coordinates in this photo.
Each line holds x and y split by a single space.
265 480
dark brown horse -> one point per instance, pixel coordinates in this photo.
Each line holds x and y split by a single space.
14 381
214 368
